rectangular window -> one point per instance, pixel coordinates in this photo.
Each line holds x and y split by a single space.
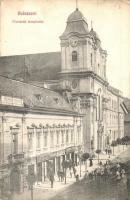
45 139
67 136
57 137
15 143
52 139
30 141
74 56
62 137
72 132
91 59
38 140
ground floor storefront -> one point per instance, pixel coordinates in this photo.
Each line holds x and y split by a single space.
40 166
16 177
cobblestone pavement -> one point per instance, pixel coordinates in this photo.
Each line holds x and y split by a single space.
82 190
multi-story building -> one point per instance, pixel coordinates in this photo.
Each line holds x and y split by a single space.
83 70
37 127
127 118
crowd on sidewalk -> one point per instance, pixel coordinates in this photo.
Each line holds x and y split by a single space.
102 169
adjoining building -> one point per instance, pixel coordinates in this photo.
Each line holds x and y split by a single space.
38 126
127 118
66 104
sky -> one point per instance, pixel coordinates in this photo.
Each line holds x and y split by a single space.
110 19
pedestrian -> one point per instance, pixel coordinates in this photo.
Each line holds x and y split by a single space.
91 162
118 166
98 175
95 174
74 171
118 175
90 176
105 173
122 173
52 180
60 174
100 163
106 150
102 174
70 173
77 177
86 175
128 186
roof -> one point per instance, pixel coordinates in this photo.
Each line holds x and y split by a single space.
115 91
94 34
127 104
34 97
75 16
40 66
127 118
76 23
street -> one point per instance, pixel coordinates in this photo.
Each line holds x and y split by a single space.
93 190
84 189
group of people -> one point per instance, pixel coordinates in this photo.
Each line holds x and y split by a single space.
61 173
104 172
108 150
107 172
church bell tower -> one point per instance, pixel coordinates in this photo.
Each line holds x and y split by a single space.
82 59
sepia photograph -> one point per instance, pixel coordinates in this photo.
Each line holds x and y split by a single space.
64 99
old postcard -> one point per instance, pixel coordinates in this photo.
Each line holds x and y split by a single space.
64 99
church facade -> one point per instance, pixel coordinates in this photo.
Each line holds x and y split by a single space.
83 76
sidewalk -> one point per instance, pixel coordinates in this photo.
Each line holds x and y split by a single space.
43 191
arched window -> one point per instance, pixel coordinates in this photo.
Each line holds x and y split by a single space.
99 105
91 59
74 56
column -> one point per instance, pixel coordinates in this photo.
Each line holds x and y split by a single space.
48 139
44 171
41 138
75 131
24 135
34 141
3 138
65 136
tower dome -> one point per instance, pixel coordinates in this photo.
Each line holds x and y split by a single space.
95 36
76 24
75 16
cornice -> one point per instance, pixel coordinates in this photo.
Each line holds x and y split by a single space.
82 74
46 111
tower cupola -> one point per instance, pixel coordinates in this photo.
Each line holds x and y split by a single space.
76 24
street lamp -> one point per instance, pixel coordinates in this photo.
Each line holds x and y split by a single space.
14 133
65 165
80 159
